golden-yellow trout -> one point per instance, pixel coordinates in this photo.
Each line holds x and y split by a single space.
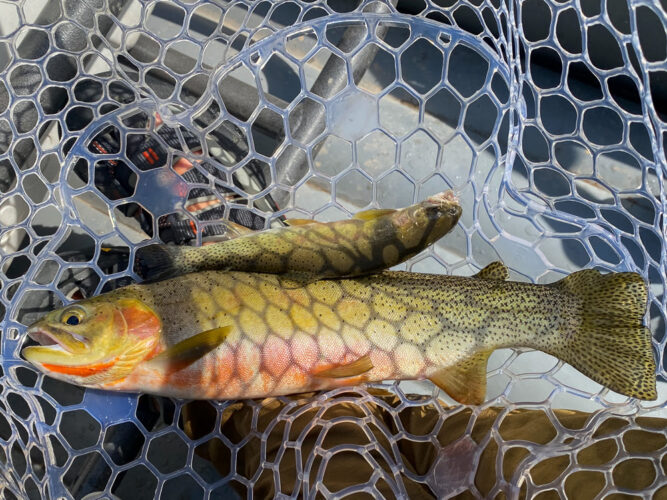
372 241
228 335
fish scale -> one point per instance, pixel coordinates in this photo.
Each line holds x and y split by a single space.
230 334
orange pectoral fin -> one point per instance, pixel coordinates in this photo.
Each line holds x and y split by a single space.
354 369
80 370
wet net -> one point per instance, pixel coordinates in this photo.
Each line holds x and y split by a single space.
124 123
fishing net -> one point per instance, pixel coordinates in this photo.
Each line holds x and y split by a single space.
124 123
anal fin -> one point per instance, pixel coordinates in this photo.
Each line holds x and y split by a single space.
466 380
494 271
353 369
186 352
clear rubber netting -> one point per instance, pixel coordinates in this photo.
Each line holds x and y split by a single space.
547 119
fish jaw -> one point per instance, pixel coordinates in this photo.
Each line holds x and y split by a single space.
47 354
446 204
99 368
115 336
56 346
444 198
56 356
63 356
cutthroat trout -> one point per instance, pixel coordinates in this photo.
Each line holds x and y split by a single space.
372 241
228 335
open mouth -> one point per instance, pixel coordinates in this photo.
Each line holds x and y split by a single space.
43 338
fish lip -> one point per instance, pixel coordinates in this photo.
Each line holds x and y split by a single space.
445 197
46 339
444 204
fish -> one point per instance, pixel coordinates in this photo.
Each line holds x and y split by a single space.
236 335
371 241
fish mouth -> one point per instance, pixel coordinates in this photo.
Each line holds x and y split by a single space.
44 338
52 347
47 339
444 204
444 198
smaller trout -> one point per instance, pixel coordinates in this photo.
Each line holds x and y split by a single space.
372 241
231 335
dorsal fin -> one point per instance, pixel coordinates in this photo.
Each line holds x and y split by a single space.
494 271
233 229
373 213
466 380
299 222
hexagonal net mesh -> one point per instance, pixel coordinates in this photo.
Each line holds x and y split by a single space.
125 123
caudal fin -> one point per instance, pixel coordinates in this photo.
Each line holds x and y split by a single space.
156 262
612 346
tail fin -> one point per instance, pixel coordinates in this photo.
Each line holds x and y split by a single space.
157 262
612 346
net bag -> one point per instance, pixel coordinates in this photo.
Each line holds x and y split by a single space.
127 123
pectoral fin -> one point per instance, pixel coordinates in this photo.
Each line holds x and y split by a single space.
353 369
494 271
188 351
374 213
466 380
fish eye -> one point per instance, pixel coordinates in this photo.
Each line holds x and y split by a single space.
72 320
72 317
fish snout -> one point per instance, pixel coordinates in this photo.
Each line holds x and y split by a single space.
445 203
41 336
444 198
53 336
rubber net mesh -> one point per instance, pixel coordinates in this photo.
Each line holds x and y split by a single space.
123 123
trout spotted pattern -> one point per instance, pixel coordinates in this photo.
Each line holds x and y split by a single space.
223 335
372 241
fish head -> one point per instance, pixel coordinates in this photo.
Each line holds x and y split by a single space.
95 342
432 218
